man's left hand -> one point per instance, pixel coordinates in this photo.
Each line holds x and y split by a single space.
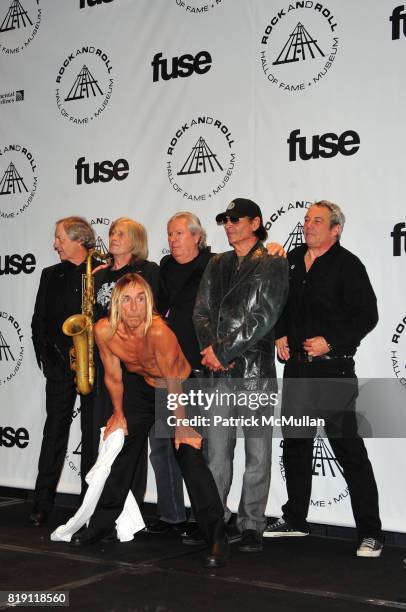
315 347
274 248
210 360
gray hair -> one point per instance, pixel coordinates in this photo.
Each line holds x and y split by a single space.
194 226
79 230
337 216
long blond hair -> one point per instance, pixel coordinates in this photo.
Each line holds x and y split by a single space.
138 236
115 303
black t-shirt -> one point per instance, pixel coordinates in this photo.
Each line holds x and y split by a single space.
105 280
179 285
177 274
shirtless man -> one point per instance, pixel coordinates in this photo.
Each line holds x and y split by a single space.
136 337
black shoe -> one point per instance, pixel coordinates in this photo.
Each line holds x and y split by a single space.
280 528
233 534
159 527
251 541
90 535
38 517
189 527
194 539
110 537
218 555
184 528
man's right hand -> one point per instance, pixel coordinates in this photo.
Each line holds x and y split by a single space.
282 348
187 435
100 267
115 422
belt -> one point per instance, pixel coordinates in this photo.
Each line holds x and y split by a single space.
303 357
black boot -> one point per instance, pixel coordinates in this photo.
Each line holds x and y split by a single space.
218 543
89 535
38 517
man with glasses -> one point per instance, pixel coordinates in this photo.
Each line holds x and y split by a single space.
240 298
331 307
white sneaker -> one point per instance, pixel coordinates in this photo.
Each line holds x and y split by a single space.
369 547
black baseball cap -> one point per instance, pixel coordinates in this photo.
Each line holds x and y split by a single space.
242 207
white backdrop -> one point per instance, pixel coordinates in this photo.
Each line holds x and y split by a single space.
77 81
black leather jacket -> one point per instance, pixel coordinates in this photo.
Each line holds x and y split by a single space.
236 310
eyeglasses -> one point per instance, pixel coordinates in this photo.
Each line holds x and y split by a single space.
225 219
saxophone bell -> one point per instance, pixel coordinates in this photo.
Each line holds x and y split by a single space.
77 326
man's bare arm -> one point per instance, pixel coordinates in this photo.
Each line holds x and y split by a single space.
166 352
112 378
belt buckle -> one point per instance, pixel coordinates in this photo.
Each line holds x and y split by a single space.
309 358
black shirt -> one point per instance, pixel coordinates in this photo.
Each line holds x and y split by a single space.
105 280
177 296
334 299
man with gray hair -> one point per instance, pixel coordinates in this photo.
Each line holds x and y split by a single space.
180 275
59 296
331 307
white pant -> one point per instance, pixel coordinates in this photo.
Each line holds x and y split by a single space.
130 520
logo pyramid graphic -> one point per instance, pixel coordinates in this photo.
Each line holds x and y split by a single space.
296 238
5 349
16 17
11 181
84 86
101 246
324 460
299 46
200 159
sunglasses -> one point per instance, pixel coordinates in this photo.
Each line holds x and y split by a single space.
225 219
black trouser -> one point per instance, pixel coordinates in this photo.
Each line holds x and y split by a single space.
60 402
327 389
96 410
140 415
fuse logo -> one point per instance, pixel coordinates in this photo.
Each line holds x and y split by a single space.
398 16
325 145
84 3
102 172
182 66
398 236
10 437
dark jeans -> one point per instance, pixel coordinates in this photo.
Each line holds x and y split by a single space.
140 414
168 478
306 393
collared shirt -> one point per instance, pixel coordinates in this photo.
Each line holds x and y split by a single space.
334 299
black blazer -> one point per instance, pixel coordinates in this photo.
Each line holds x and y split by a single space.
59 296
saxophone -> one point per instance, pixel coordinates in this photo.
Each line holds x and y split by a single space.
80 328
